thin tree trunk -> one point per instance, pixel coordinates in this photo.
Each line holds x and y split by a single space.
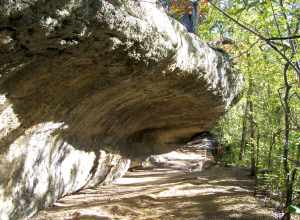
244 131
287 174
252 138
245 118
257 149
272 144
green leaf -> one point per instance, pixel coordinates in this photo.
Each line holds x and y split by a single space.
294 209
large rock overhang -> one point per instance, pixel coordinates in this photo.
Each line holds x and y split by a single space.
122 74
82 82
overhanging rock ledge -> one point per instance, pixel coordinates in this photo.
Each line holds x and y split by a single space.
87 84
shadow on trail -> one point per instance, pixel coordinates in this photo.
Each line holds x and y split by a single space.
216 193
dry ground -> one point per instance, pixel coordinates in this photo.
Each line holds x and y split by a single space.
216 193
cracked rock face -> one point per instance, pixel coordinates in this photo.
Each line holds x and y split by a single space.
86 85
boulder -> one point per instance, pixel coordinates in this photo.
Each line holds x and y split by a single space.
86 85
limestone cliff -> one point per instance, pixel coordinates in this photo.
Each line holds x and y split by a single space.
87 84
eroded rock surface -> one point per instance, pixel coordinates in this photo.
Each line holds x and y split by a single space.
85 85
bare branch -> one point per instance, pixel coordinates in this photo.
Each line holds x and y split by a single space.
284 38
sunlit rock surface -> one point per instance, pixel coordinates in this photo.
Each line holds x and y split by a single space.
196 155
39 167
85 85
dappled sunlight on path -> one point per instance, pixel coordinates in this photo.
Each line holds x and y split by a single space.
215 193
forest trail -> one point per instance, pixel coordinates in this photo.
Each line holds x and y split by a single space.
216 193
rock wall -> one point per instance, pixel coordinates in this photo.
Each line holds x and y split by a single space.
39 167
87 84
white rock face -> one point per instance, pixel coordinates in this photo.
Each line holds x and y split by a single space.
39 167
87 84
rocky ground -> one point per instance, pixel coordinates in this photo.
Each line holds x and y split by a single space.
166 193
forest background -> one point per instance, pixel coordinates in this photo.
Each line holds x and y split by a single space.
262 131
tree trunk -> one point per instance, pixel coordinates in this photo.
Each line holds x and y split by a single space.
252 138
272 143
244 131
257 148
245 119
287 174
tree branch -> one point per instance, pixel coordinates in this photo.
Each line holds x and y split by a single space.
259 35
284 38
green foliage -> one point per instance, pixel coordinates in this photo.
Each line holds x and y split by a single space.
263 68
294 209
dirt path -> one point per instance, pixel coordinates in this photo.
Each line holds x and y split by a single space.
217 193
